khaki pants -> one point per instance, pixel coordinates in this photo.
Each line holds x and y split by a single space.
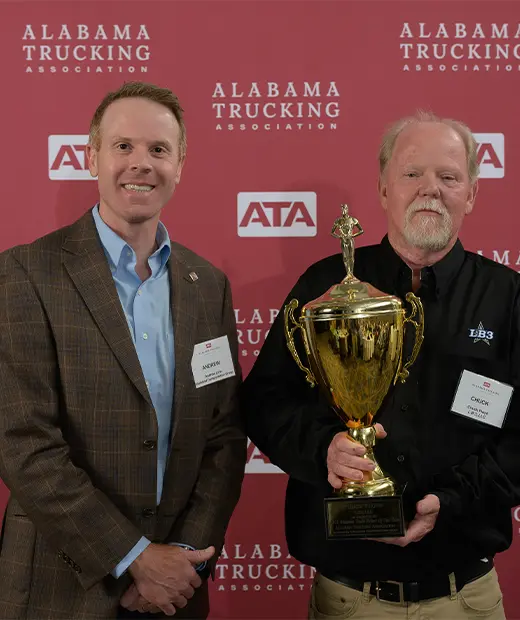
481 598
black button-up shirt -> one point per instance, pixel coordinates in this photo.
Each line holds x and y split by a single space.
473 467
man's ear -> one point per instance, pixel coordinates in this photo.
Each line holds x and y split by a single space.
92 156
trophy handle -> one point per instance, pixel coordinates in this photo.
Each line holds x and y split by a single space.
288 315
417 309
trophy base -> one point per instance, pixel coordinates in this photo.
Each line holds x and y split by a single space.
364 516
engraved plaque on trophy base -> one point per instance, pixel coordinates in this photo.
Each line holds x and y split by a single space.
364 517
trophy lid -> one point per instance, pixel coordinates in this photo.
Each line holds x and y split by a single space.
351 298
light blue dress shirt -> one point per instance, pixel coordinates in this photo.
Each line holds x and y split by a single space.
148 311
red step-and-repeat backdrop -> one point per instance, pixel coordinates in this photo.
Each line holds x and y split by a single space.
285 104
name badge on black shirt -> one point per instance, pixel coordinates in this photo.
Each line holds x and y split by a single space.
482 399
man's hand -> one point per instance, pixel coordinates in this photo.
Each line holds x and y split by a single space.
345 459
165 577
423 522
133 601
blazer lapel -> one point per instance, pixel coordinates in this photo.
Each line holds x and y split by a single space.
184 292
86 263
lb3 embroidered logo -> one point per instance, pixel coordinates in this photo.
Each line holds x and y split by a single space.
481 334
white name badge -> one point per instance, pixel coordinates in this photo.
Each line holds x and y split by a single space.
212 361
482 399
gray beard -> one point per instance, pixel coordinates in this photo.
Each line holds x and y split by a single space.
428 232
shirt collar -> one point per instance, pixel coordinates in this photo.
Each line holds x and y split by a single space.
439 276
163 241
114 244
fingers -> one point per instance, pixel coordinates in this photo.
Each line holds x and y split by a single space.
380 431
140 604
180 601
343 444
188 592
147 608
334 481
130 597
347 466
199 555
428 505
195 580
167 609
152 609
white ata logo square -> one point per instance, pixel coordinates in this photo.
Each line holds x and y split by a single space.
68 158
257 463
490 155
277 214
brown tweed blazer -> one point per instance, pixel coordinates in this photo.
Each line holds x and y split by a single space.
76 422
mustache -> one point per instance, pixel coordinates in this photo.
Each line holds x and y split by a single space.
434 205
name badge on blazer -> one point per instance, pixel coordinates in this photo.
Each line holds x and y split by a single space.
212 361
482 399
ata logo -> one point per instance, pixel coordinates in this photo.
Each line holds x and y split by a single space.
68 158
490 155
277 214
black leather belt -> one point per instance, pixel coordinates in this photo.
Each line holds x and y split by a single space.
415 591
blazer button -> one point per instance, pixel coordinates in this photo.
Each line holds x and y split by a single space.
149 444
148 513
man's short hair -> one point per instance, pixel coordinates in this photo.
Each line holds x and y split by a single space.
389 138
143 90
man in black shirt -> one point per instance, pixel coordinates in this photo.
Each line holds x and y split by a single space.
462 474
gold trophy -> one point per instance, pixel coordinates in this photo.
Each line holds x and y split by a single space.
353 338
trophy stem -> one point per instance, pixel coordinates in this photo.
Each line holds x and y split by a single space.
374 483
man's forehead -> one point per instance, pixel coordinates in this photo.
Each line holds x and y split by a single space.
428 138
133 111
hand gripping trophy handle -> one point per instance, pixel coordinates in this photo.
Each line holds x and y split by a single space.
417 310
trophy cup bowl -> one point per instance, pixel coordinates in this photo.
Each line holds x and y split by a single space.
353 339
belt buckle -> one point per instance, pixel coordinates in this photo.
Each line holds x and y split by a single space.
397 583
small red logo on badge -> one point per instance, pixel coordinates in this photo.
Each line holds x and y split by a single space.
486 384
208 345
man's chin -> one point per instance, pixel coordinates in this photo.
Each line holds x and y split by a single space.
428 241
139 218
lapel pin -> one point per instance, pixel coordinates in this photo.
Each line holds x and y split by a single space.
193 276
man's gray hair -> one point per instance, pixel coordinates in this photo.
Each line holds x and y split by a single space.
391 134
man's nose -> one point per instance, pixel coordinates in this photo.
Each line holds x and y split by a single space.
140 161
429 187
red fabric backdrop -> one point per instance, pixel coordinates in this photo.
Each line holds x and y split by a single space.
285 105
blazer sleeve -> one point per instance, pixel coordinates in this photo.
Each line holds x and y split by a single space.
74 517
217 490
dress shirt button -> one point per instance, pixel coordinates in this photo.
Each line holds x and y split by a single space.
145 336
400 458
147 384
148 513
139 292
404 407
149 444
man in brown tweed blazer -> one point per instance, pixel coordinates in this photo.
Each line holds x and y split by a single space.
124 458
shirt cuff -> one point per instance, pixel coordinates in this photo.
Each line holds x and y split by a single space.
200 567
130 557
